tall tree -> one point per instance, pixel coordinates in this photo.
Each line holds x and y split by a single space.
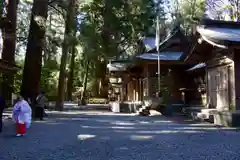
112 27
234 9
33 59
83 98
9 45
68 37
223 9
71 73
187 12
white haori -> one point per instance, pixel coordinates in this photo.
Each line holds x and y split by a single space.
22 113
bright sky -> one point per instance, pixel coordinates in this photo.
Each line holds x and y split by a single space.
220 6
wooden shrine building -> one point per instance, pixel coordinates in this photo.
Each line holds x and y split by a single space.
171 49
217 50
136 79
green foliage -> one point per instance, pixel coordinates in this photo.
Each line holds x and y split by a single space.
105 29
17 81
18 77
187 12
110 27
23 22
49 80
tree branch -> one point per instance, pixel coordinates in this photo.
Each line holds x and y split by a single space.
52 1
56 9
122 41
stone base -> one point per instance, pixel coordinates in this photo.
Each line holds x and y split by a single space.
226 118
124 107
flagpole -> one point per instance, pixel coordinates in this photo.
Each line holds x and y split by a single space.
157 48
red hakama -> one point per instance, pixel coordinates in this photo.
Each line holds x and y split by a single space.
21 128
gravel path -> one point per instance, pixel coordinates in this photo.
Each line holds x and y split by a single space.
105 136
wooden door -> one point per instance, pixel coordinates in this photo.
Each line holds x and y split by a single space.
212 90
222 92
218 87
145 86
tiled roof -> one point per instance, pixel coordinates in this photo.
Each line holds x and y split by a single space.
169 56
228 34
198 66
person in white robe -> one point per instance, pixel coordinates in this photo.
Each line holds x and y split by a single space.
22 116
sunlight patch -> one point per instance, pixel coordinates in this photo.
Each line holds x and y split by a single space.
169 131
197 128
201 124
122 123
206 128
144 122
121 127
72 119
122 148
88 127
140 137
106 127
104 121
163 121
85 136
40 21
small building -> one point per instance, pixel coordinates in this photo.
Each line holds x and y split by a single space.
217 48
171 51
137 77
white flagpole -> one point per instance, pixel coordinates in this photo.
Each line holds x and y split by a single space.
157 41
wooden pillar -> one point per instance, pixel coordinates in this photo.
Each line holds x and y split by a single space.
140 90
130 97
147 81
128 91
237 78
208 83
134 90
231 85
121 94
137 90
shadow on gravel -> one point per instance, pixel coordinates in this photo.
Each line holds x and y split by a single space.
131 125
94 126
103 135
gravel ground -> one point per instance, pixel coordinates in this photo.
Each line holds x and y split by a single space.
90 135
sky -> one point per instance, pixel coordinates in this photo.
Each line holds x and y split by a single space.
214 8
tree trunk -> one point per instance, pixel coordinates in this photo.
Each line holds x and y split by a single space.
106 32
46 50
104 82
71 74
65 49
83 99
72 66
8 52
33 59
